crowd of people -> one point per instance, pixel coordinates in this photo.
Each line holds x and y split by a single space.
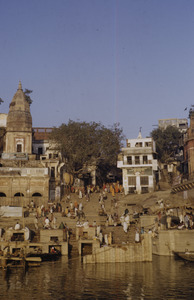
73 208
182 219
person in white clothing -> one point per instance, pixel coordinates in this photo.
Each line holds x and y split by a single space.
127 219
80 194
86 224
98 230
46 223
80 206
106 239
137 238
125 226
17 226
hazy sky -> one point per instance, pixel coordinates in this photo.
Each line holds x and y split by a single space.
108 61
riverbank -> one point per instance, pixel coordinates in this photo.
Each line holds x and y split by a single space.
151 202
142 211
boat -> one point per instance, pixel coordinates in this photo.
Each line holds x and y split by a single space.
46 256
19 262
187 255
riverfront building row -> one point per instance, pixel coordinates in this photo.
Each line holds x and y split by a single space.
32 169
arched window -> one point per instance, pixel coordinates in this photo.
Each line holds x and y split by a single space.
2 194
19 195
36 195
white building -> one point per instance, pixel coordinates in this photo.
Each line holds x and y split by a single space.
138 165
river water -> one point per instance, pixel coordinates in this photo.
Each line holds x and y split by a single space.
163 278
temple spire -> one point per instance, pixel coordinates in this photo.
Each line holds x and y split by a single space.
139 135
20 86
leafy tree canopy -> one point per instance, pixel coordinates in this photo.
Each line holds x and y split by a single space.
167 140
27 93
84 144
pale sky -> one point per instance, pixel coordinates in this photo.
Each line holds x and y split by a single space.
108 61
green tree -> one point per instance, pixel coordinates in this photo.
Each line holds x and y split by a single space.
167 141
27 93
84 144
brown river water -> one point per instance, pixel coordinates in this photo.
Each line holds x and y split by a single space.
164 278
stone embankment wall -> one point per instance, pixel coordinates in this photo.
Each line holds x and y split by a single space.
53 237
133 252
169 241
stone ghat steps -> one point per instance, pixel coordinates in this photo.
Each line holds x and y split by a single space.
73 245
71 223
118 237
118 234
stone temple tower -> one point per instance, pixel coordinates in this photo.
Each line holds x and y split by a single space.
19 125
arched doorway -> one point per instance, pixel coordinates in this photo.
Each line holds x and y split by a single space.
17 199
37 198
2 194
19 195
36 195
3 198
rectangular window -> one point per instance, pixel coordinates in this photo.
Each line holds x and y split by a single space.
144 189
144 180
129 160
40 150
52 172
148 144
145 159
19 148
137 160
132 180
139 144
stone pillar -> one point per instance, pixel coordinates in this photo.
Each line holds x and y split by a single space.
93 175
138 184
151 183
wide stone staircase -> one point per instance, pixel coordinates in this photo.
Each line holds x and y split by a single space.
118 237
91 210
118 234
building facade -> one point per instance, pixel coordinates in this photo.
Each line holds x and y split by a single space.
31 167
139 166
180 124
23 175
189 148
